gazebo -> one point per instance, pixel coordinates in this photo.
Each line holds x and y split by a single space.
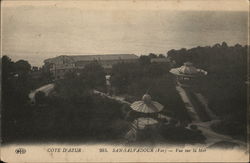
144 118
187 74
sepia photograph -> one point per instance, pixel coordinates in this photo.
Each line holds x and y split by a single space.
126 80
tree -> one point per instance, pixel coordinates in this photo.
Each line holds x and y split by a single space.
34 68
161 56
7 68
22 67
224 86
16 85
224 45
94 75
144 60
216 45
81 81
152 55
16 79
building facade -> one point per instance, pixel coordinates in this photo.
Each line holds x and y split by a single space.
63 64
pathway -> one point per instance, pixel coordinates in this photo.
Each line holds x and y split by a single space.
200 117
46 89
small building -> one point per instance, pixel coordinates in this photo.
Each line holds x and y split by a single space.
187 75
60 65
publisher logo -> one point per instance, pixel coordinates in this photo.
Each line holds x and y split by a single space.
20 151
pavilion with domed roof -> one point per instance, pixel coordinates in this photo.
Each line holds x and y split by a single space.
187 75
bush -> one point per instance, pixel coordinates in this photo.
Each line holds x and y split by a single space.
230 126
81 117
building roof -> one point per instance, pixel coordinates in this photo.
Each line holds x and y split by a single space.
104 57
76 58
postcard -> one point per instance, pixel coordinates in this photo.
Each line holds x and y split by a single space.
125 81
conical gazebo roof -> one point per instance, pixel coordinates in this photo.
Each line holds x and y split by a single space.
188 70
146 105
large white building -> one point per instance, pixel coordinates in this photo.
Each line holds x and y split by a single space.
60 65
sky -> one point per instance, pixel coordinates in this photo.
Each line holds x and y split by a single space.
36 30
